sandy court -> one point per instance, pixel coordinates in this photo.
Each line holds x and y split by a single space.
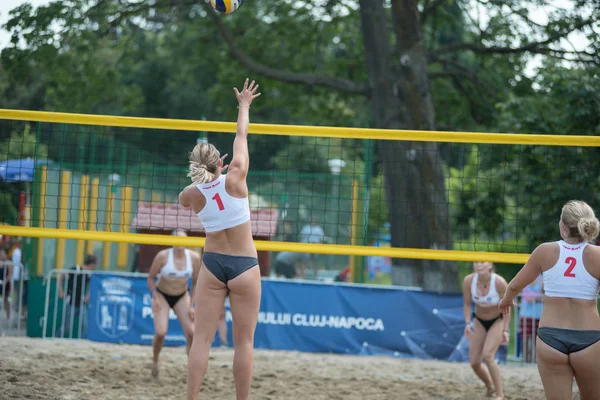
62 369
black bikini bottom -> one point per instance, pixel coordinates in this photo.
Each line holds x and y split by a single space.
487 323
172 300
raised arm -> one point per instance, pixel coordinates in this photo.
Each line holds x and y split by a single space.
241 159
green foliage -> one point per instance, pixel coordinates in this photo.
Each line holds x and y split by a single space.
122 68
477 198
22 145
8 212
311 154
378 208
505 192
541 179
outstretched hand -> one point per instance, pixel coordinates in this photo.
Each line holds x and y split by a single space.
247 94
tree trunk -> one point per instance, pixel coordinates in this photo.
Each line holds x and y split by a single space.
415 188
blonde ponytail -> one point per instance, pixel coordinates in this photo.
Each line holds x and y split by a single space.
204 162
199 173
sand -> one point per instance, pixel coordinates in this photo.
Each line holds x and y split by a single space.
63 369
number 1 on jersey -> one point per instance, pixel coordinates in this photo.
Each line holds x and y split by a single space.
572 261
217 198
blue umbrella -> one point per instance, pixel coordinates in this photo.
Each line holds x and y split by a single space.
19 170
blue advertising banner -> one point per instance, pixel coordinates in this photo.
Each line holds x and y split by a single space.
358 320
120 311
300 316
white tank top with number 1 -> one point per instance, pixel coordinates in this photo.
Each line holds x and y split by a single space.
568 277
221 211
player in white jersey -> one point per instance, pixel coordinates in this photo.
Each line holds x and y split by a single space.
485 328
230 258
174 268
568 342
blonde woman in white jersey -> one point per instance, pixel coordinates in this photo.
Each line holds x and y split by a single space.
174 268
485 328
568 342
230 258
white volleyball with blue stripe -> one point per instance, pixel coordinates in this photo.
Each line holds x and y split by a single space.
226 6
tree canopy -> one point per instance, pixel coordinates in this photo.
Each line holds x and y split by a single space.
428 64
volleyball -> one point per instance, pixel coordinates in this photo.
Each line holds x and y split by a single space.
226 6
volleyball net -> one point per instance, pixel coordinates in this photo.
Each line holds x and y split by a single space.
96 184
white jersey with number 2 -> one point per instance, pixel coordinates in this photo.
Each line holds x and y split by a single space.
222 211
568 277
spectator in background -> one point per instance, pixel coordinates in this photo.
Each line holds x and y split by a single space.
530 312
285 264
77 296
312 233
343 276
17 270
6 270
288 233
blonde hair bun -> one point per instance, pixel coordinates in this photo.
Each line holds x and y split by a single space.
588 229
580 219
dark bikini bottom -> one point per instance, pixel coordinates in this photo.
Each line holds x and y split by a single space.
487 323
568 341
172 300
225 267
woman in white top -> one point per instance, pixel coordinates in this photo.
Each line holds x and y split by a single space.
230 258
568 342
485 328
174 268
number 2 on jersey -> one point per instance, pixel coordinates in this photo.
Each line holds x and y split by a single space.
217 198
572 262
